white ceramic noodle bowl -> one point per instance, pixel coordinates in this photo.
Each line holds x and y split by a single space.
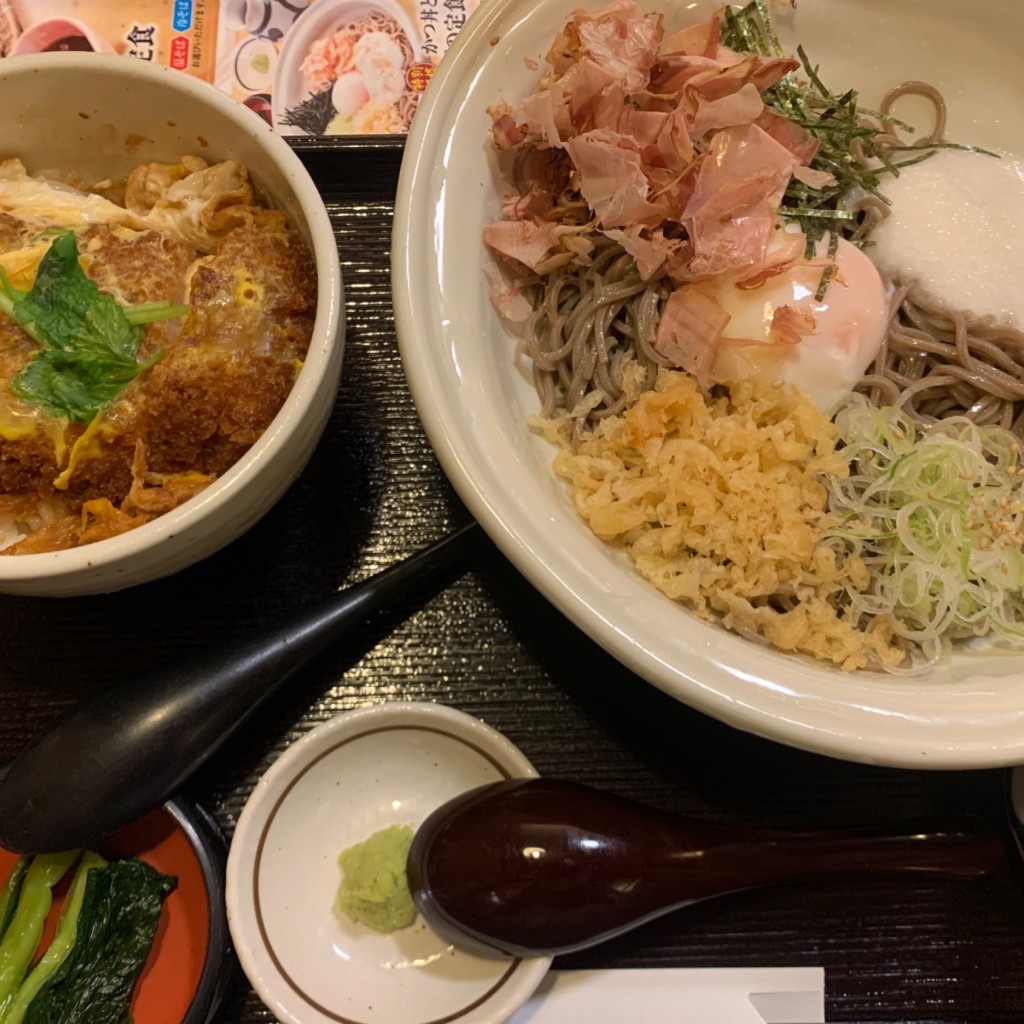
101 116
474 400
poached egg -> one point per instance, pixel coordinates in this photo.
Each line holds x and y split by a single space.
847 326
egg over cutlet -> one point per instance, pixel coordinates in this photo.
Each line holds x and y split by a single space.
188 233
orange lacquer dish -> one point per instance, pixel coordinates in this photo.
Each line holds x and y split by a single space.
187 969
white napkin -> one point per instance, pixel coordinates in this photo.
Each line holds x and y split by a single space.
758 995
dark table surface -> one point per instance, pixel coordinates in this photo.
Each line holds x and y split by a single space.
894 950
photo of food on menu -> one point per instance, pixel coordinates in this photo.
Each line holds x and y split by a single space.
308 67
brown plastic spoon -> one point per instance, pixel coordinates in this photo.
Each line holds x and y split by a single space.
538 866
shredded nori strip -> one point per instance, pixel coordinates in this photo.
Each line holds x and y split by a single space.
835 122
312 115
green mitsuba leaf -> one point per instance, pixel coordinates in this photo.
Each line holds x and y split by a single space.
88 345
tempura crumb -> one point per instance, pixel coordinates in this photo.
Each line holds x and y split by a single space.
720 504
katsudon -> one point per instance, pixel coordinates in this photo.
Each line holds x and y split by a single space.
150 330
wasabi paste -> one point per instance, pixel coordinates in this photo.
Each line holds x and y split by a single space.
374 890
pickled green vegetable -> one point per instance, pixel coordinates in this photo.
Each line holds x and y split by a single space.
11 892
60 947
21 940
116 924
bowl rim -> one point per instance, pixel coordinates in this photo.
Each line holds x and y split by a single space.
211 852
327 339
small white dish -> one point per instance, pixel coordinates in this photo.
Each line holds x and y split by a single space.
254 61
388 764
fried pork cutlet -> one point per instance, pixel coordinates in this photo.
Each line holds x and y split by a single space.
225 370
234 362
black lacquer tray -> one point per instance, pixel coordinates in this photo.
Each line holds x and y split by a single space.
892 950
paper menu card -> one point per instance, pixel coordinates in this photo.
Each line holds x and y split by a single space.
791 995
310 67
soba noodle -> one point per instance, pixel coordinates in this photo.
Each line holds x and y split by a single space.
376 21
870 209
336 54
936 363
918 571
589 324
926 91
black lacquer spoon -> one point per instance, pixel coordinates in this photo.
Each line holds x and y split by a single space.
110 760
539 866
